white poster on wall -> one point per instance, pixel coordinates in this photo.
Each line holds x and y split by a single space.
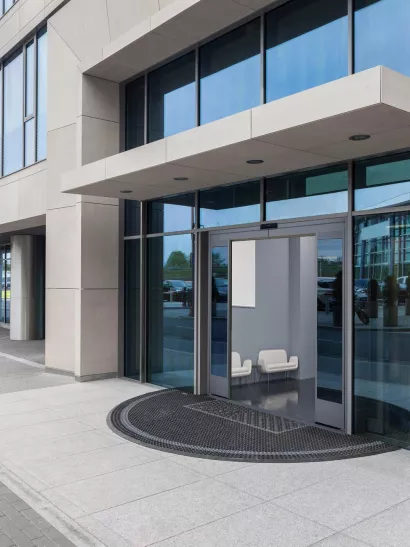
243 274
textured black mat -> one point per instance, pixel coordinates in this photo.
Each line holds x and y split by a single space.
183 423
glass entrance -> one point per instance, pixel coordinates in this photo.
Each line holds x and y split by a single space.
276 321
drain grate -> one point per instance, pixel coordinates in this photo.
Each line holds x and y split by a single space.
183 423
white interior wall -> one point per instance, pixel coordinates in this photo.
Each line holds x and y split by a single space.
284 316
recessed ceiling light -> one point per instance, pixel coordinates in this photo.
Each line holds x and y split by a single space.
254 162
181 178
359 138
125 191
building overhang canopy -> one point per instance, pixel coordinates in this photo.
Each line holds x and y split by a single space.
305 130
179 25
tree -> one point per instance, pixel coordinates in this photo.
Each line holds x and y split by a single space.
177 260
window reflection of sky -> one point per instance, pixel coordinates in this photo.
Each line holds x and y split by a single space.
179 110
382 196
231 90
307 60
324 204
177 218
226 217
382 36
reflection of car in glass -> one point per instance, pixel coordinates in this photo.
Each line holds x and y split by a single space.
402 281
175 290
220 289
324 292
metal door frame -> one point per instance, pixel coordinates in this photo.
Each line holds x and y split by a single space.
321 229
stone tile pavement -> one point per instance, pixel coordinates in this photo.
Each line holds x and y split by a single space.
96 489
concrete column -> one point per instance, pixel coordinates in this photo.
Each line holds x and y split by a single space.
23 305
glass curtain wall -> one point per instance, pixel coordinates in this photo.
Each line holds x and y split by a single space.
24 105
382 298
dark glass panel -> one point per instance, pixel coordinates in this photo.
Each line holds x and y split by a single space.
229 205
172 98
132 218
330 320
382 326
382 34
382 182
219 325
42 94
230 73
13 114
135 113
174 214
132 308
171 330
306 46
311 193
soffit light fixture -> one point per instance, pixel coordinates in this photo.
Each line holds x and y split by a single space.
125 191
254 162
180 178
357 138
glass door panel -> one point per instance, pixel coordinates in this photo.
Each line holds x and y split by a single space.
219 377
330 354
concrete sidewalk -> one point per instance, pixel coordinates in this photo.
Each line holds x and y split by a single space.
59 456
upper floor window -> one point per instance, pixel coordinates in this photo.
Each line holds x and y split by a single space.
172 98
230 73
306 46
24 105
5 5
381 35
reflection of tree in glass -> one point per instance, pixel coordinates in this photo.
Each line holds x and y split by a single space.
177 259
218 259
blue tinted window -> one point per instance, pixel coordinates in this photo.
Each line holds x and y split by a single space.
172 98
382 34
174 214
170 309
230 73
8 4
307 45
237 204
382 183
321 192
42 95
13 114
135 113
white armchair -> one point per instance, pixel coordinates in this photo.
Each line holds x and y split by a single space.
276 360
239 370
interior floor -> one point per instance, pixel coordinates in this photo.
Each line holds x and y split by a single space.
290 398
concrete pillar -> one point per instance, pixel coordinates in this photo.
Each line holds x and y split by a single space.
22 312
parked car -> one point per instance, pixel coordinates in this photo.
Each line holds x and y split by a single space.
174 290
220 289
324 292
